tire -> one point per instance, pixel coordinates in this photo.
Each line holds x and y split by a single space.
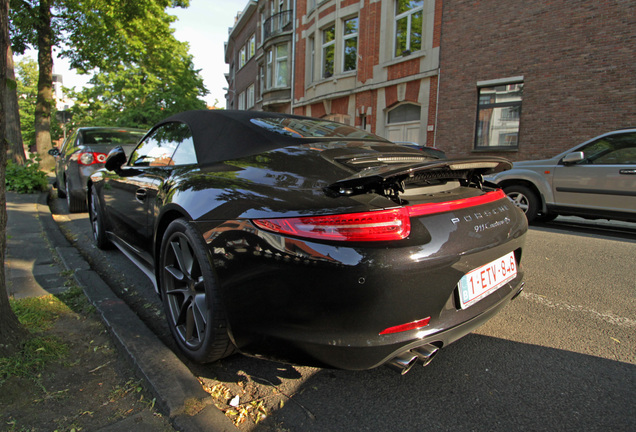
60 192
524 198
96 218
191 299
74 205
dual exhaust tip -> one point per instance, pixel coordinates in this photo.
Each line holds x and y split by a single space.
405 361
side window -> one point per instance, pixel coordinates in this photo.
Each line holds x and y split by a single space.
69 142
611 150
158 149
185 154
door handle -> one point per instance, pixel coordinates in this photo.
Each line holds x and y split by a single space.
628 171
141 194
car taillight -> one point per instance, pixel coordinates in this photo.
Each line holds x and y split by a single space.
447 206
406 327
381 225
89 158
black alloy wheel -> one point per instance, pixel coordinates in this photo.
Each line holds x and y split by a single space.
190 295
97 221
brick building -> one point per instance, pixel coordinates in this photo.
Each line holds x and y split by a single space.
259 54
527 80
369 63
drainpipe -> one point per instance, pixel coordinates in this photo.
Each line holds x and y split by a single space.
293 58
439 78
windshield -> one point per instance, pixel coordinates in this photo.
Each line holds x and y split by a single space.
312 128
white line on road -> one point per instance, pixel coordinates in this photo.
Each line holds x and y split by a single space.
610 318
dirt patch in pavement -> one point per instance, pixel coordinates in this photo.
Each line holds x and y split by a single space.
89 388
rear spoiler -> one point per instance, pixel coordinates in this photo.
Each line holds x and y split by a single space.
389 176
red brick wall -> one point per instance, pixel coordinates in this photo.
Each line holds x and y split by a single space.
404 69
323 13
340 105
432 108
369 40
299 68
390 95
577 58
318 110
364 100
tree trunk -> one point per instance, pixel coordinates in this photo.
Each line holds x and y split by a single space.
12 334
11 111
45 85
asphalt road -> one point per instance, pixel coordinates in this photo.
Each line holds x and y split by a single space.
562 356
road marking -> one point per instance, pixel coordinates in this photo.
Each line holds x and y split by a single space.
610 318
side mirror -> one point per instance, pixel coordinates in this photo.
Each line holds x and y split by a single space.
55 152
115 159
572 158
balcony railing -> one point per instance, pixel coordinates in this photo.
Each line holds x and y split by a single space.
278 23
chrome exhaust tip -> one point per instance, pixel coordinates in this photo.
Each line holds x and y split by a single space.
425 353
403 362
518 292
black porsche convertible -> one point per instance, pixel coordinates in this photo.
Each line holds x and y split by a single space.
308 241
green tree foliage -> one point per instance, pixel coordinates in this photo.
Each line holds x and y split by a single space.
141 73
27 82
135 96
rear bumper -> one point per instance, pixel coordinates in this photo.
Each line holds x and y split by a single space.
326 305
351 355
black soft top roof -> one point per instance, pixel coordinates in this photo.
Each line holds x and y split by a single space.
221 135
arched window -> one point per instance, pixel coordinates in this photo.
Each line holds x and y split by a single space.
403 123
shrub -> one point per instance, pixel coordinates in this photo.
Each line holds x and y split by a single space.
27 178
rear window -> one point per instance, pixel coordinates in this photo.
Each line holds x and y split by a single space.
312 128
114 137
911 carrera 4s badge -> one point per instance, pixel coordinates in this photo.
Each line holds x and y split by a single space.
478 283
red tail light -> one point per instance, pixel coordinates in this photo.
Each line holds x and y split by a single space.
89 158
381 225
408 326
426 209
368 226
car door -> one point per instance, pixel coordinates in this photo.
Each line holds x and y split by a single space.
604 180
62 160
131 194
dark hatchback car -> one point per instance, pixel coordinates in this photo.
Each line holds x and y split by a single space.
309 241
83 153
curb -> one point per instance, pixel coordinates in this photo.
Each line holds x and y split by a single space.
178 393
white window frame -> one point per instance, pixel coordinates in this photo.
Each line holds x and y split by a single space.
261 79
241 101
409 15
345 38
251 47
249 98
325 46
242 57
279 61
312 57
269 74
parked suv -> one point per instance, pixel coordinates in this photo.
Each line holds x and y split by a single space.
594 180
83 153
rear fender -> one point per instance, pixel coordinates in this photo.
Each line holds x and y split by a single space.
538 182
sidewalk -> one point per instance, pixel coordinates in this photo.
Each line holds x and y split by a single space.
30 268
33 239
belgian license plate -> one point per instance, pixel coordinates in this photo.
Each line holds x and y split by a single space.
480 282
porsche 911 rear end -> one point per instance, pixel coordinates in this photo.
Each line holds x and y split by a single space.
362 254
